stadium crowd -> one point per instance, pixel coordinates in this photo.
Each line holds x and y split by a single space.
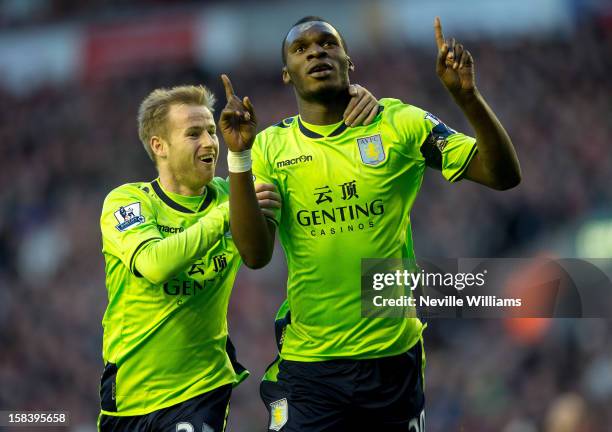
63 149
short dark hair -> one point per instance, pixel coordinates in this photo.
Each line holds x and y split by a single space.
306 19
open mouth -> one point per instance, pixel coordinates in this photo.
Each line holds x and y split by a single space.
320 69
207 159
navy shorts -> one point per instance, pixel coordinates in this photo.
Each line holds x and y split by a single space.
383 394
204 413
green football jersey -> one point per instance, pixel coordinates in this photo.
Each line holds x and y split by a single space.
166 342
347 195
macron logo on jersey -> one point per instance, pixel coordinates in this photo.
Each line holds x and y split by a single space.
294 161
128 216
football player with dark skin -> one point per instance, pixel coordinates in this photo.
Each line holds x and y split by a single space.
345 385
317 66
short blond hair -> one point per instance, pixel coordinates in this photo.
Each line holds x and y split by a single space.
153 111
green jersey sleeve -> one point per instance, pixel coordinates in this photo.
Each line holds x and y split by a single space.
263 171
159 260
128 223
440 146
130 232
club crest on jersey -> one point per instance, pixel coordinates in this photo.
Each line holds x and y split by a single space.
278 414
128 216
371 149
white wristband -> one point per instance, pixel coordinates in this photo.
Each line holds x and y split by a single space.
238 162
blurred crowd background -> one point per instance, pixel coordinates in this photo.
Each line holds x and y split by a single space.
67 138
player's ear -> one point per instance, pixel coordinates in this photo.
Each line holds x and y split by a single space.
351 65
286 77
158 146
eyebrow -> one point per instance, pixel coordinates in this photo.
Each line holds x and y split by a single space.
323 33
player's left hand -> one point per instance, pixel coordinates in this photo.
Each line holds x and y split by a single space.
268 198
455 65
362 107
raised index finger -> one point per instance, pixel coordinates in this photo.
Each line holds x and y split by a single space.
438 32
227 84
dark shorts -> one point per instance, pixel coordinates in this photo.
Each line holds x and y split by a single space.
384 394
204 413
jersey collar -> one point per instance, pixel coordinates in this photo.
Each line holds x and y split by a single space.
312 134
176 206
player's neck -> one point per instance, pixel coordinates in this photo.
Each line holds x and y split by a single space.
323 112
172 184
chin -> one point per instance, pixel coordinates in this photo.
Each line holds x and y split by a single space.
205 177
325 89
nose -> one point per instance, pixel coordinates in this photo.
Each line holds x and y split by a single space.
208 140
315 51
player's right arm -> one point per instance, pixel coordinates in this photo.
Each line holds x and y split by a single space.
140 245
252 231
